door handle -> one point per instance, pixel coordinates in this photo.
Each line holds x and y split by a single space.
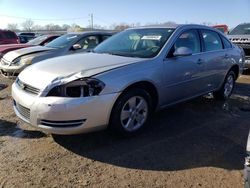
200 61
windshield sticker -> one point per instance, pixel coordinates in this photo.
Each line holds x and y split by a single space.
151 37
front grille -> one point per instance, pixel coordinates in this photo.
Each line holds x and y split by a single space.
23 111
27 87
4 62
62 124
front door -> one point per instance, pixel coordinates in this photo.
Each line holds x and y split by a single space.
182 74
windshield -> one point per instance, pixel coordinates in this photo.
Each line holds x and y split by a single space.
63 41
143 43
38 40
243 29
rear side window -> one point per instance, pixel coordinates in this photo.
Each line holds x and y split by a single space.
226 43
212 41
9 35
104 37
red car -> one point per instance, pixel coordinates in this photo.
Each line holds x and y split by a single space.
223 28
42 40
8 37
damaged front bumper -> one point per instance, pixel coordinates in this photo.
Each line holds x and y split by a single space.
11 70
61 115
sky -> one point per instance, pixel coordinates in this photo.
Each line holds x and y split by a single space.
230 12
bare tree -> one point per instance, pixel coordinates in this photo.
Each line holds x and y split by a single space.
65 27
13 26
37 27
28 24
75 28
121 26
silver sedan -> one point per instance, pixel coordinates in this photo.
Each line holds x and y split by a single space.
126 78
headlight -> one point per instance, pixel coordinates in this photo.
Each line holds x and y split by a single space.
16 62
84 87
24 61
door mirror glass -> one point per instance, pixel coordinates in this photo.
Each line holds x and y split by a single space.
182 51
76 47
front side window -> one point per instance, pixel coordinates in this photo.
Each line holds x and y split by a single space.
189 39
142 43
63 41
89 42
212 41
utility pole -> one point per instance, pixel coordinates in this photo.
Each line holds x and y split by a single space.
92 21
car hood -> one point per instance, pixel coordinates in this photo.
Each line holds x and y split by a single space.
11 56
68 68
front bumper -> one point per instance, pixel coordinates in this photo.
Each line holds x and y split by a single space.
9 71
59 115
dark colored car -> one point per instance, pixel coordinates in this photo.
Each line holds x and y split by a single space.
8 37
42 40
240 36
27 34
12 63
25 38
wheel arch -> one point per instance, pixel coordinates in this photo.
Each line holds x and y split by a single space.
149 87
235 68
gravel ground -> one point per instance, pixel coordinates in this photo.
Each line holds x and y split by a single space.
200 143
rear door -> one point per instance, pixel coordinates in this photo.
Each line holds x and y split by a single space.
216 58
183 78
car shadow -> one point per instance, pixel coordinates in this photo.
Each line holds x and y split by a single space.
200 133
242 89
8 128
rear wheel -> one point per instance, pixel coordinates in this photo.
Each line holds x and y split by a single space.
131 112
227 88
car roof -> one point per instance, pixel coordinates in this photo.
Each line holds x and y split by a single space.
188 26
92 32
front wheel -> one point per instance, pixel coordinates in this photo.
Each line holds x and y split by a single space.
131 112
227 88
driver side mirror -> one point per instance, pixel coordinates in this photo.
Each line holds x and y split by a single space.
76 47
182 51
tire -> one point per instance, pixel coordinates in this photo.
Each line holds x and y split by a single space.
227 87
131 112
